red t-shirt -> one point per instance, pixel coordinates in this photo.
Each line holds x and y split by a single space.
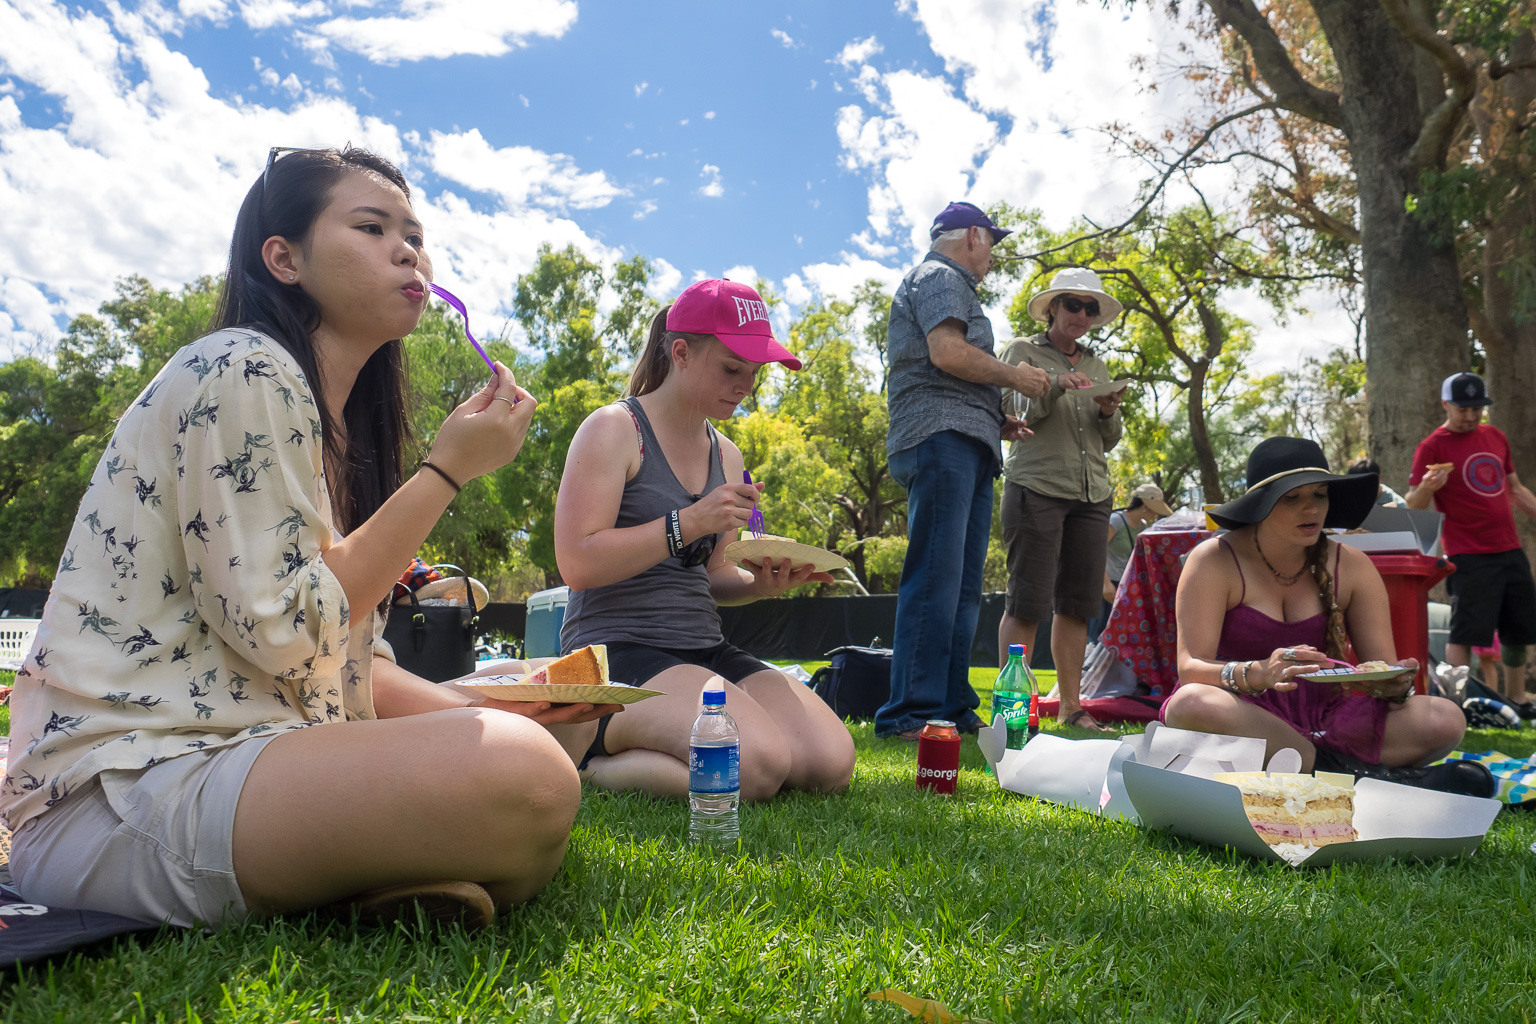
1475 498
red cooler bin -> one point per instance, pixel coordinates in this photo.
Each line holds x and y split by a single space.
1409 578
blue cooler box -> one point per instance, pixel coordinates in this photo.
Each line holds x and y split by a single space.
546 612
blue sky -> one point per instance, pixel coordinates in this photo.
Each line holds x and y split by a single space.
806 143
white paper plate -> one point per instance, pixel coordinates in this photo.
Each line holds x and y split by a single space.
510 688
755 549
1104 389
1345 675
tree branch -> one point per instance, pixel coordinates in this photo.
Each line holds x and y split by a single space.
1157 189
1434 141
1292 91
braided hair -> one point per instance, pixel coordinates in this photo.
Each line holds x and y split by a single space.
1317 563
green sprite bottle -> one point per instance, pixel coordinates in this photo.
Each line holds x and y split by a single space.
1016 697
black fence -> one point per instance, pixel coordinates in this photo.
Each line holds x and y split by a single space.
806 628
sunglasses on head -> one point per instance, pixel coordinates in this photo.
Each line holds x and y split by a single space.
1072 304
699 551
274 153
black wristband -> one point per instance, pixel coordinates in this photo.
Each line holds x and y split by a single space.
675 532
450 480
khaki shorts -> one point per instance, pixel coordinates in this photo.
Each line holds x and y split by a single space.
1056 554
155 844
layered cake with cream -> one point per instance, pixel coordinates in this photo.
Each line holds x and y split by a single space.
1310 810
586 666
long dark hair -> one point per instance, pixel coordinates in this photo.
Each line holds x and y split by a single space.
656 358
1317 564
370 464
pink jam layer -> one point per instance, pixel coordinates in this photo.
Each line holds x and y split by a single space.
1301 831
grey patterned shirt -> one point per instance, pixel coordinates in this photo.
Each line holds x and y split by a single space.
923 399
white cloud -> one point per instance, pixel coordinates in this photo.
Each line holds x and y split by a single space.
432 29
640 89
645 209
859 51
709 115
260 14
783 38
711 187
140 169
664 280
745 273
520 175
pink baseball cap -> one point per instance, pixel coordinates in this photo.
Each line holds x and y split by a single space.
735 314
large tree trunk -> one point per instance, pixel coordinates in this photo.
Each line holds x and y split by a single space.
1416 323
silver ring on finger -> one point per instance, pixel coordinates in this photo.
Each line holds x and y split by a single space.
501 398
1289 654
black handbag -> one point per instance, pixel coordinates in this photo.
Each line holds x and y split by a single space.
436 642
856 683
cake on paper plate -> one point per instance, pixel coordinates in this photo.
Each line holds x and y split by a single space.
586 666
1306 810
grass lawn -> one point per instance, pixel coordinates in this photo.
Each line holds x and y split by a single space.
1003 908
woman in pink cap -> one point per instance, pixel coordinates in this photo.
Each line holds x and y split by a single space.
649 497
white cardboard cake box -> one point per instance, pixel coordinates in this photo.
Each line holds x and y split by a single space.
1163 778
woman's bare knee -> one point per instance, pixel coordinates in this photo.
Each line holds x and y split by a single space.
765 767
828 768
1192 708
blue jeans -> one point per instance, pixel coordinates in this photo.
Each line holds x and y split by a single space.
948 478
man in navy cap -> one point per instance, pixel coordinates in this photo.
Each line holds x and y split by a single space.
945 401
1465 468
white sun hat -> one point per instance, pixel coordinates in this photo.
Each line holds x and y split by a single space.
1076 281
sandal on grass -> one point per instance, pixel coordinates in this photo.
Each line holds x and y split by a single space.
1081 719
445 902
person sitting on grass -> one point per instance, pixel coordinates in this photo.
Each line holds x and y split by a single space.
1275 599
650 497
207 726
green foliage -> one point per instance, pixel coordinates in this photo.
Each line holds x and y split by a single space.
57 416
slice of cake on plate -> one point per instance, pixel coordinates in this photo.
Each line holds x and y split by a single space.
1310 810
585 666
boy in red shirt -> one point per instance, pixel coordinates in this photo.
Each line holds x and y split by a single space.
1465 468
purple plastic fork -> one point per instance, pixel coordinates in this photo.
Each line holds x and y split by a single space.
453 300
755 523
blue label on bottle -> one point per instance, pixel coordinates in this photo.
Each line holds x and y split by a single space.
714 769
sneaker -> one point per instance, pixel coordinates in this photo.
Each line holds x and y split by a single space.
1487 713
440 902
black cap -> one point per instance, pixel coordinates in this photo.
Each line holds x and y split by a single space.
1466 390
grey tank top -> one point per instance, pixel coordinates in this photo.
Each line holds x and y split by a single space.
668 605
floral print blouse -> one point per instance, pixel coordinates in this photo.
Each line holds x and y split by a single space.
193 607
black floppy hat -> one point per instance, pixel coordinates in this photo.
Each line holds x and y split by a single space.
1281 464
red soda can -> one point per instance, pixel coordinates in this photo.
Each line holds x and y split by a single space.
938 757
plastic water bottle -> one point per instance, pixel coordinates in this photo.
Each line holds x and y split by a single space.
714 771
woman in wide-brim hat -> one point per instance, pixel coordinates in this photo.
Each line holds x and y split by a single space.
1274 599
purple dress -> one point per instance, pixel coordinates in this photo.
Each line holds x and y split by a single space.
1343 721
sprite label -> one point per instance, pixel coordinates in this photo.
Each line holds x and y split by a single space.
1014 709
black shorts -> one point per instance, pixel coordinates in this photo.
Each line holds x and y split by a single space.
640 663
1492 591
1057 549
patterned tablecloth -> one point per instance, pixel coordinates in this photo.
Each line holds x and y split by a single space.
1141 625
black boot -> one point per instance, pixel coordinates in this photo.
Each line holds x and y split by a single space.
1468 778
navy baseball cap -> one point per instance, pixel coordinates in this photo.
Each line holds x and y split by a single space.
1466 390
966 215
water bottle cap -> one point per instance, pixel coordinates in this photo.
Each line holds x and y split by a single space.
714 695
1015 650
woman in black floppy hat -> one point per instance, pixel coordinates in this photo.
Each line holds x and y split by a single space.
1276 598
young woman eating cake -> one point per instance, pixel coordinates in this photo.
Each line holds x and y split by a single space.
1274 599
205 728
650 496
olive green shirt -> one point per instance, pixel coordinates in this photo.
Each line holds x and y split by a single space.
1065 459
